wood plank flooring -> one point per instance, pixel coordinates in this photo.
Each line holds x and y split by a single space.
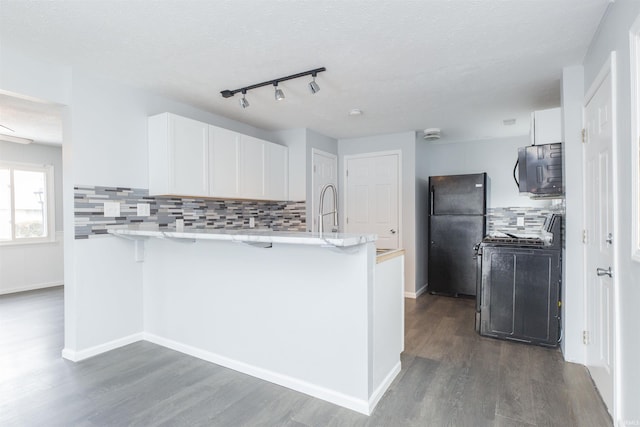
450 377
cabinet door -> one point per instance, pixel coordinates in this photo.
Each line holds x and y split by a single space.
276 172
547 126
188 142
224 162
252 159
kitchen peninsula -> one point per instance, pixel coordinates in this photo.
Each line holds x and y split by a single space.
314 313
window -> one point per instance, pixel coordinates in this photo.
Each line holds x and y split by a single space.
26 203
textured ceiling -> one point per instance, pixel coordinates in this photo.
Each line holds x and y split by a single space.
461 65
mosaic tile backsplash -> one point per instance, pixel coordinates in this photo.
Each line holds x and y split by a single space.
505 219
196 213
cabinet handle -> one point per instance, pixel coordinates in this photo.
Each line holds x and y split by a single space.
603 272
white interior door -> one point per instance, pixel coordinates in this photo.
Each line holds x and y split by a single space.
372 202
325 171
599 252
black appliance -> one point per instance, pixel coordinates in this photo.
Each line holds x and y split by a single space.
456 223
540 170
519 281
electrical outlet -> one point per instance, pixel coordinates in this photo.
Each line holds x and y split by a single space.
143 209
252 222
111 209
520 221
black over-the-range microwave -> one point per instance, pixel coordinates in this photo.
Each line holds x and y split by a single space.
540 170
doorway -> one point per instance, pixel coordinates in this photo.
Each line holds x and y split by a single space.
600 232
31 197
372 197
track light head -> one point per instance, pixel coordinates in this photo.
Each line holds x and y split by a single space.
279 94
243 101
313 86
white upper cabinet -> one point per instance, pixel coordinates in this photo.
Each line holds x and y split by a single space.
191 158
252 181
178 151
224 163
276 179
546 126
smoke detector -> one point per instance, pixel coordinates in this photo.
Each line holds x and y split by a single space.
431 134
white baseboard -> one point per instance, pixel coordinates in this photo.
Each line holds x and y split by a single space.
332 396
384 385
76 356
416 294
31 287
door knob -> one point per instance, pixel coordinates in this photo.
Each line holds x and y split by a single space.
603 272
393 231
609 238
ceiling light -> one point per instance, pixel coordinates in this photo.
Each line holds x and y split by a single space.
17 139
243 101
355 112
315 88
279 94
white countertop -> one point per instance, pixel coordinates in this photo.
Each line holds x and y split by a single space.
249 236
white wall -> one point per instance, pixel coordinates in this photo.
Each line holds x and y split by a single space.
572 281
406 143
496 157
614 35
40 265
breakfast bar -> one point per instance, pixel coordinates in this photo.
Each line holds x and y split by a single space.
312 312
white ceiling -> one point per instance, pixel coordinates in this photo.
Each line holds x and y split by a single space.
461 65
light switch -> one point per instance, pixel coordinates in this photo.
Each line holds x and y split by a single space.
111 209
520 221
252 222
143 209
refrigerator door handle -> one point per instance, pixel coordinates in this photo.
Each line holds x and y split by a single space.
432 190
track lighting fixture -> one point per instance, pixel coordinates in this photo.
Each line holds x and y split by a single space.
243 101
315 88
278 93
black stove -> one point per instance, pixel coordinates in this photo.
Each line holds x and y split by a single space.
518 286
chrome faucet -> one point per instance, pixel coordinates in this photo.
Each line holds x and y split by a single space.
322 214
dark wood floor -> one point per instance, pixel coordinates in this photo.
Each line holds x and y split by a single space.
450 377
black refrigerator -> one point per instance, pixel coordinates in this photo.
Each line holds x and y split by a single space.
456 225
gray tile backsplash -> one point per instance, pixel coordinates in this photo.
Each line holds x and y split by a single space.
506 219
196 213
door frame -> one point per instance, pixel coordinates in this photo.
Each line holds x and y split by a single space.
608 68
345 162
314 204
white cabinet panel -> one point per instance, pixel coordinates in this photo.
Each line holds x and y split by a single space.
178 151
252 179
224 162
546 127
276 172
